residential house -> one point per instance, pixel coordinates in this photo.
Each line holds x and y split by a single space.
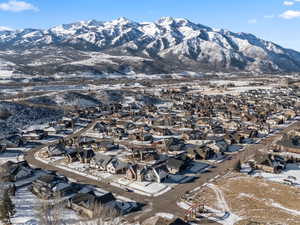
104 146
143 154
233 138
85 142
35 135
131 172
156 174
200 152
218 146
141 137
49 185
101 127
161 173
115 166
174 144
56 150
91 205
194 135
13 172
85 155
100 161
71 156
16 140
270 163
175 165
159 131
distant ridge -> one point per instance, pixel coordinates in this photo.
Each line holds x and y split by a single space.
123 46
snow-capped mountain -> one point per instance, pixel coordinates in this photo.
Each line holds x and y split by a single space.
124 46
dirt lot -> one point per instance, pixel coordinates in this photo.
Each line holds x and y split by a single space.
254 200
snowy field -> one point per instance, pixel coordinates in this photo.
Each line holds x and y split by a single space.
262 195
223 215
291 175
27 209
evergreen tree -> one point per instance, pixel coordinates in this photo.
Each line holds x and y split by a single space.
7 208
238 166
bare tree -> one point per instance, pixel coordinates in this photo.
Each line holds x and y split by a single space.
106 215
111 221
7 208
50 213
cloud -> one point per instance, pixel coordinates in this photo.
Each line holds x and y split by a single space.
288 3
2 28
290 14
252 21
17 6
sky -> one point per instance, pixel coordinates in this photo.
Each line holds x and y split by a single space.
274 20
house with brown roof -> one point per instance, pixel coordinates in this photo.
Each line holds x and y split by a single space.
91 205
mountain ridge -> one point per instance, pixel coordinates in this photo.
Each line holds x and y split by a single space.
124 46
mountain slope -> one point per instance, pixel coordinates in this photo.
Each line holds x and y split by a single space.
124 46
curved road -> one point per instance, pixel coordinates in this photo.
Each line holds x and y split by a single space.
166 202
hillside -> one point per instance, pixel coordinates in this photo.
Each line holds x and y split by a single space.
123 46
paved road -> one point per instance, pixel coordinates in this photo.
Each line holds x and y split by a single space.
166 202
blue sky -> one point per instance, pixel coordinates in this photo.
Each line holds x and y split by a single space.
275 20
